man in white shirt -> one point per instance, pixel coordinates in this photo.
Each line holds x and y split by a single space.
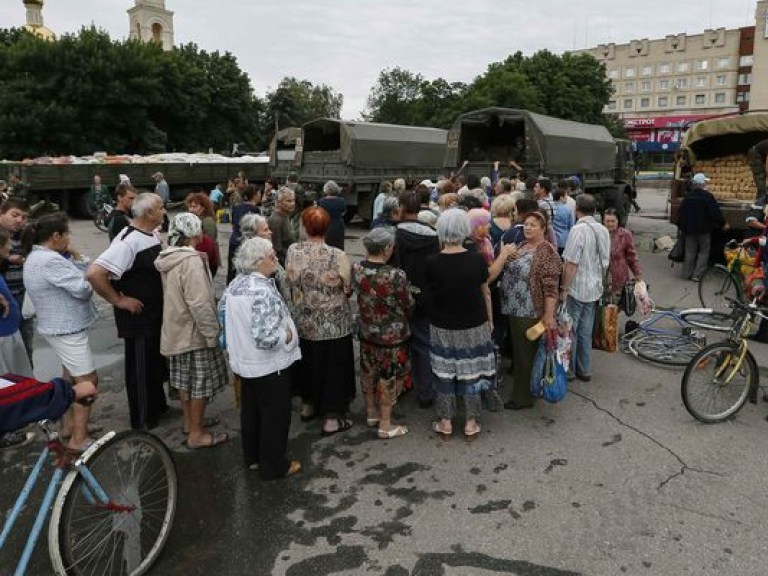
586 257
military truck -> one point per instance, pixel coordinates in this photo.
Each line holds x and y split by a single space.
718 147
68 184
282 153
359 156
543 145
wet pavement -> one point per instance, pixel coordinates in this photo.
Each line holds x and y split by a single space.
616 479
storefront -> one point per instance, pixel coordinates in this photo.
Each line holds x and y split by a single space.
658 138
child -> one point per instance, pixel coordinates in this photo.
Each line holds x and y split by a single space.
385 302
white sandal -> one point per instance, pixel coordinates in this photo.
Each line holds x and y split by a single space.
394 432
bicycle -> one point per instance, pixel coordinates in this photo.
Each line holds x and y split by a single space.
718 381
670 347
721 283
113 510
102 211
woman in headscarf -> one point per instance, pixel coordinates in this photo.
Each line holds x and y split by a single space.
190 333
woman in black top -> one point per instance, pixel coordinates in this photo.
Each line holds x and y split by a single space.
335 205
461 349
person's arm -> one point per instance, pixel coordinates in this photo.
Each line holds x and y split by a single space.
506 252
551 269
66 275
488 305
200 300
630 253
99 279
569 273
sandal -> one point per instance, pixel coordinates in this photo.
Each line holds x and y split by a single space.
444 434
208 422
471 435
393 432
216 439
344 425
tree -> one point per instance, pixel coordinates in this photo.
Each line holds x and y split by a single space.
295 102
394 97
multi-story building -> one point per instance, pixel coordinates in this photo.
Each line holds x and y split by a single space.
662 85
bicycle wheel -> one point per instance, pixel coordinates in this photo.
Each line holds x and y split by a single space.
667 349
711 389
708 319
135 469
716 286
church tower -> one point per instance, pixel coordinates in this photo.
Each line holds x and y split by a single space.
151 22
35 19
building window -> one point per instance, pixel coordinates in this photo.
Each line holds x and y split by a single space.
723 62
663 84
627 103
612 105
701 81
683 67
745 79
720 98
700 99
720 80
663 101
747 60
701 64
645 102
629 86
645 85
613 74
680 101
629 72
646 70
742 97
681 83
664 68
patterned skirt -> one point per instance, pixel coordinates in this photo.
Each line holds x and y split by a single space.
463 361
199 373
384 370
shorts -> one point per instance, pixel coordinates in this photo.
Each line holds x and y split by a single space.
74 352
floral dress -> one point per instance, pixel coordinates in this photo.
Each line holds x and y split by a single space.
385 302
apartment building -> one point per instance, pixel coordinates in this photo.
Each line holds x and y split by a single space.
663 85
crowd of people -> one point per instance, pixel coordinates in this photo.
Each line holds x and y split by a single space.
455 274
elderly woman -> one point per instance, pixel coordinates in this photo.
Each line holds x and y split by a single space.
502 217
461 349
319 280
388 215
385 191
190 332
199 204
528 296
262 343
623 253
54 276
334 204
385 302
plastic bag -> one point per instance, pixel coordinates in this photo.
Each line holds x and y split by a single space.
644 302
549 378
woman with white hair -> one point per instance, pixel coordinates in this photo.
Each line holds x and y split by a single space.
336 207
190 332
461 349
262 342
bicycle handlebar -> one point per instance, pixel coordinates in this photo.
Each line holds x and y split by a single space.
750 307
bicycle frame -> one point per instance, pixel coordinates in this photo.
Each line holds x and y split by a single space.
64 461
647 325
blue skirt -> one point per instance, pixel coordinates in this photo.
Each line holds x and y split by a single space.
463 361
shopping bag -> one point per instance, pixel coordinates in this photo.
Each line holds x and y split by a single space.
627 302
549 378
606 328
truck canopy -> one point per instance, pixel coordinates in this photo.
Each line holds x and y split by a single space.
283 145
556 145
371 145
723 136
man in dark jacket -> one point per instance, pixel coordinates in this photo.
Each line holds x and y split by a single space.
699 216
414 242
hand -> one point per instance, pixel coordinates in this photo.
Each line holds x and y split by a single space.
288 335
549 321
129 304
5 306
74 253
509 251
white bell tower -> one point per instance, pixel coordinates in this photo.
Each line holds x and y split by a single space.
151 22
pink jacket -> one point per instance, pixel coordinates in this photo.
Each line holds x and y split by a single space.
623 258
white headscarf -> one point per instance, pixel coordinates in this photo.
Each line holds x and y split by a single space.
183 227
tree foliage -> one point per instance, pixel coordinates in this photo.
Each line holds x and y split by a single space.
86 92
295 102
573 87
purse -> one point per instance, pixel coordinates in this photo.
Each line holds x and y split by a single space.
627 302
549 379
605 332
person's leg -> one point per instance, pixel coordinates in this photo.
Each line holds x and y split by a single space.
583 358
197 434
27 329
445 404
131 383
155 374
369 381
421 369
275 423
523 353
472 408
250 419
691 253
702 258
80 413
335 361
575 309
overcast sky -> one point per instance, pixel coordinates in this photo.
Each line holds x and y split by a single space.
346 43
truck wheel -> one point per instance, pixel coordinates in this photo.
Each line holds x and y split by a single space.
349 214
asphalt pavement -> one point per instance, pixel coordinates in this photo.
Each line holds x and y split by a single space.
616 479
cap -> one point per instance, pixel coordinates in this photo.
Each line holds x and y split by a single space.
700 178
576 180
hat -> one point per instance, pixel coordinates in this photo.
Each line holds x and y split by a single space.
428 183
184 226
700 178
124 179
157 175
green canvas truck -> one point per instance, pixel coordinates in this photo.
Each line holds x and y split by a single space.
359 156
68 184
547 146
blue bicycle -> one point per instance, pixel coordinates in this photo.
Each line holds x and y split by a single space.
113 505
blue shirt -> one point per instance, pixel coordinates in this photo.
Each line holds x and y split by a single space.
216 195
562 222
10 324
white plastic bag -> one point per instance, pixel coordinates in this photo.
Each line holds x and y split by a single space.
644 302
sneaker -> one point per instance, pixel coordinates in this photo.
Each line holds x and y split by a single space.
18 438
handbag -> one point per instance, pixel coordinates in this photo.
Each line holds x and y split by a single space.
605 332
549 379
627 301
677 254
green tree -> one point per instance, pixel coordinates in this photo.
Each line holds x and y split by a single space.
394 98
295 102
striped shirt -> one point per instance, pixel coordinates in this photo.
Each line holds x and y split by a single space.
589 247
